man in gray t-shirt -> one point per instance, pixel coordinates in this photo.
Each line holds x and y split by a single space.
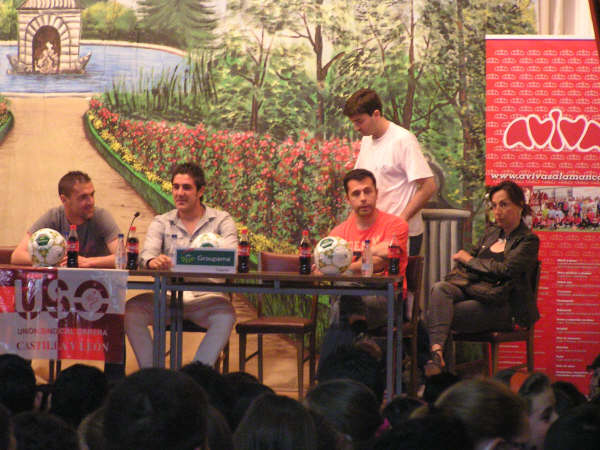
96 228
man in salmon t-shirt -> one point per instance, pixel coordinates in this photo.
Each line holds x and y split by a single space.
365 222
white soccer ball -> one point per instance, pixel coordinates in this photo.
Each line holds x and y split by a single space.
333 255
207 240
46 247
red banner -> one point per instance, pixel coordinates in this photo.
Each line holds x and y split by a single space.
543 131
63 313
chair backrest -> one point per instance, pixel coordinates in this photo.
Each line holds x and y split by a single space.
277 262
5 253
535 278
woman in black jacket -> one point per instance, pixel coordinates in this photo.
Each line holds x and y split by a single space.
507 253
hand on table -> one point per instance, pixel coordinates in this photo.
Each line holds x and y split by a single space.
161 262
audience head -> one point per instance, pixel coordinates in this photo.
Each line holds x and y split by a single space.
78 391
594 369
433 431
7 437
355 364
244 393
436 384
156 409
42 431
214 385
328 438
17 383
91 431
490 412
276 422
219 433
350 407
578 429
567 396
399 409
541 406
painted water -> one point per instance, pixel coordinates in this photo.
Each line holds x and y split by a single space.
108 63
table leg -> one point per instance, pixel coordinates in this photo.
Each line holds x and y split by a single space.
160 312
389 356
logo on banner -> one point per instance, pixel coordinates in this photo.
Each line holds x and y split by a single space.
554 131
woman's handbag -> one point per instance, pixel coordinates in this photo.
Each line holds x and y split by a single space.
478 287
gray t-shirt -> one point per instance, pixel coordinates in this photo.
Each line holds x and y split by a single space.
93 234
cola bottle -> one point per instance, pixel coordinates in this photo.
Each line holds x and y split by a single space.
304 253
394 252
72 247
133 249
244 252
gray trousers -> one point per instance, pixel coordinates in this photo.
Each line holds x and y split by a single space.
448 308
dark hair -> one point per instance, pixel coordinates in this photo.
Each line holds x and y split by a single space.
78 391
6 430
363 101
434 431
354 364
219 433
487 407
156 409
191 169
66 183
91 431
17 383
398 410
535 384
214 385
567 396
578 429
358 175
436 384
244 393
350 406
43 431
514 192
276 422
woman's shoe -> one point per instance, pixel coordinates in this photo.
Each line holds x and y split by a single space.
436 364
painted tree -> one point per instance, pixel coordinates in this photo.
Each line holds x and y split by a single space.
185 23
458 71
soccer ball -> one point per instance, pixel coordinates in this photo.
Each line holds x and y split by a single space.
207 240
46 247
333 255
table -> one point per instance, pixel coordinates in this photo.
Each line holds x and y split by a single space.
266 283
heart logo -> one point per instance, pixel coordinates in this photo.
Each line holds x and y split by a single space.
572 130
517 134
556 143
540 130
591 138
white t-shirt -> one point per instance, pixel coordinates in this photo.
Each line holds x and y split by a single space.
397 162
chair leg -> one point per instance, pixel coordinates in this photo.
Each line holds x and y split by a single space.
260 358
242 363
450 354
530 353
312 357
300 358
225 367
495 356
413 365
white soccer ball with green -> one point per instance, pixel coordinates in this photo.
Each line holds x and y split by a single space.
46 247
333 255
207 240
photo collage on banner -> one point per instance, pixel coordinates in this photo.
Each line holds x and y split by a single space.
543 132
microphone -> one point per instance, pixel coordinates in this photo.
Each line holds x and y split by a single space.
135 216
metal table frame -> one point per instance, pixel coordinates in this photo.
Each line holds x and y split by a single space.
266 283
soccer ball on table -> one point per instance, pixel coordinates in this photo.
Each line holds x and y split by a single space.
207 240
333 255
46 247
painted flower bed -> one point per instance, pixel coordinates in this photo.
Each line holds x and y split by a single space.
276 189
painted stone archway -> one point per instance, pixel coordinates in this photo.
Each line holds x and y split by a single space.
49 33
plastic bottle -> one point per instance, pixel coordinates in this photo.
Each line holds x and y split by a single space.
394 253
121 255
72 247
244 252
172 250
367 260
304 254
133 248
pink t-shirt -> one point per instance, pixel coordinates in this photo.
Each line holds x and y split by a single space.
384 228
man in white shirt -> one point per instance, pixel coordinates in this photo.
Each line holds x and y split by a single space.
393 154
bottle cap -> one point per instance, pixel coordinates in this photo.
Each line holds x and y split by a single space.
132 228
304 232
121 235
72 227
367 241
